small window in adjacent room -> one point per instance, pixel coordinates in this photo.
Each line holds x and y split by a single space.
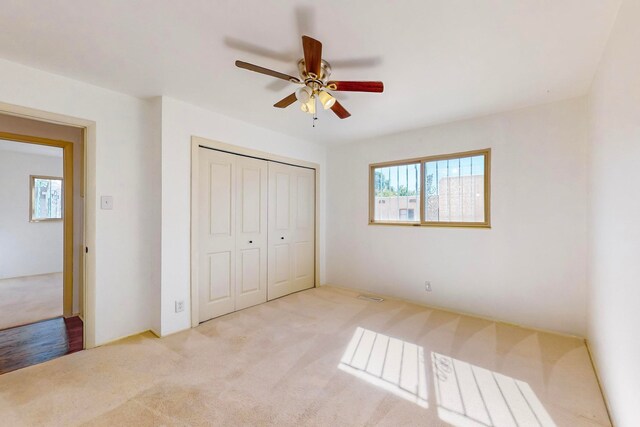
447 190
46 199
396 193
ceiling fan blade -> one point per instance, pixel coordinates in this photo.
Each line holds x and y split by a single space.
340 111
285 102
356 86
268 72
312 54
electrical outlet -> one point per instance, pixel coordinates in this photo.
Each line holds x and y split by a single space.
106 202
179 306
427 286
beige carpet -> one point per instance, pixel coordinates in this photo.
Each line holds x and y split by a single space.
320 357
30 299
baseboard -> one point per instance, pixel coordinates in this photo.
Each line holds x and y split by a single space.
171 333
463 313
602 392
30 275
122 338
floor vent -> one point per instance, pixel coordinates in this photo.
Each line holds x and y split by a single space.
370 298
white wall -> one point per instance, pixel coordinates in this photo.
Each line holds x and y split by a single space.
26 248
143 160
123 261
529 268
614 218
180 121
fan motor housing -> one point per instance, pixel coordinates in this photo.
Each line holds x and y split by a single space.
325 72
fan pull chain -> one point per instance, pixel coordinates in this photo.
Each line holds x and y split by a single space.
315 110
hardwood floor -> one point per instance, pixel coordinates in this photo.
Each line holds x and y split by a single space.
38 342
74 334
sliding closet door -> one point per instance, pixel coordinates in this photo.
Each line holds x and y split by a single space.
251 232
217 239
291 229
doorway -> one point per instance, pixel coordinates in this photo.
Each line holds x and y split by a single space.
31 233
42 240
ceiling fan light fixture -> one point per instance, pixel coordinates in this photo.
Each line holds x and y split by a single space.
315 80
303 94
309 106
326 99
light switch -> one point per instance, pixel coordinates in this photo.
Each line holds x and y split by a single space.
106 202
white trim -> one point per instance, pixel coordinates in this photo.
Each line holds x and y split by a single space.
89 283
196 142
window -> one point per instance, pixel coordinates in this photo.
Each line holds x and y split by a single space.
46 198
396 192
447 190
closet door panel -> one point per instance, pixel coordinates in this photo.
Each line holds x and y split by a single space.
251 181
216 215
220 274
303 274
282 267
291 229
303 262
249 280
279 224
251 236
282 200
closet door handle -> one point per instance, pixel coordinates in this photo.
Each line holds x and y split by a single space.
250 241
282 238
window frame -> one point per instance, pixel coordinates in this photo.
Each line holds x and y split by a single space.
372 168
421 222
32 181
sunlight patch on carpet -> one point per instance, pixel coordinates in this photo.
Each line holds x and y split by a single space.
470 396
389 363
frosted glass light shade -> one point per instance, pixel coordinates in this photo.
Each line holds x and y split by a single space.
309 106
327 100
303 94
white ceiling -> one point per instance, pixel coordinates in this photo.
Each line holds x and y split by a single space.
440 60
21 147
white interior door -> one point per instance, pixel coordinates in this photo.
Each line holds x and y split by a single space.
291 226
217 239
251 232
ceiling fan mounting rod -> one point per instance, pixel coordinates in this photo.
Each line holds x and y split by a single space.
314 84
325 71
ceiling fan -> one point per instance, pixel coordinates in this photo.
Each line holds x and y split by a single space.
314 78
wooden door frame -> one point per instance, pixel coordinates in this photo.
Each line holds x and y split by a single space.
67 207
89 187
196 142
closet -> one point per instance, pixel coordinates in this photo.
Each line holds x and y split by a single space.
256 231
